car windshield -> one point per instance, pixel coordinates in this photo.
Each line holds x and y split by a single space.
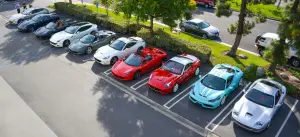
260 98
134 60
27 12
51 25
203 25
71 29
173 67
37 18
118 45
213 82
87 39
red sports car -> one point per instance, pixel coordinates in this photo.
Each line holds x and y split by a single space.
174 72
136 64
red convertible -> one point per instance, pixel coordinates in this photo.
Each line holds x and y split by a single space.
174 72
136 64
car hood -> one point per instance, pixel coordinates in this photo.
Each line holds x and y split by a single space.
78 46
105 51
163 77
60 36
211 29
250 112
43 31
16 17
202 91
26 23
121 67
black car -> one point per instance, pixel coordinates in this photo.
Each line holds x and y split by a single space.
36 22
52 28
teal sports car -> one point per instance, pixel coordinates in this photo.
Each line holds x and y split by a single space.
211 90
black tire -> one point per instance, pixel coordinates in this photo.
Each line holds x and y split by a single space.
261 52
197 71
113 60
30 29
139 49
241 82
137 75
89 50
66 43
295 62
205 36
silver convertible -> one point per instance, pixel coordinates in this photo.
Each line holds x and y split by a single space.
257 107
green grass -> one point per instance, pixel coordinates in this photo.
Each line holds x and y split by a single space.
295 72
269 10
217 49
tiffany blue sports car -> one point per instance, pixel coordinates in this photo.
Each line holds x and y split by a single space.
212 90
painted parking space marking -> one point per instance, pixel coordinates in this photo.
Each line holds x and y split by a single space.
107 72
292 110
140 84
169 106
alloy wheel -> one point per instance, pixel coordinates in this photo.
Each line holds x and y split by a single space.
89 50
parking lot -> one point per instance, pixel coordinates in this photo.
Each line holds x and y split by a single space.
20 51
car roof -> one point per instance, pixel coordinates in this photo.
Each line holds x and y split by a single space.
222 71
182 60
130 39
271 35
196 20
105 32
266 88
81 24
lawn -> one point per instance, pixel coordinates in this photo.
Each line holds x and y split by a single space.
269 10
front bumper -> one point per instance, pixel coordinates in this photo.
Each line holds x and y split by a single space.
56 44
203 102
102 61
247 127
121 77
22 29
160 90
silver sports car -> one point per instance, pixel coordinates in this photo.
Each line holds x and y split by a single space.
255 110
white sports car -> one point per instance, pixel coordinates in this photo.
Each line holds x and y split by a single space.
109 54
27 14
255 110
73 33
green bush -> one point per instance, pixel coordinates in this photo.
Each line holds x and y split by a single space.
164 40
102 20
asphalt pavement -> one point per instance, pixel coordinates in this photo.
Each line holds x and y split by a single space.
75 97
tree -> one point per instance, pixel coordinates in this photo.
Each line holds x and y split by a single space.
127 7
106 4
70 1
242 27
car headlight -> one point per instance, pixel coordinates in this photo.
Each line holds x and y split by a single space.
127 72
168 85
150 77
259 123
235 112
215 99
106 57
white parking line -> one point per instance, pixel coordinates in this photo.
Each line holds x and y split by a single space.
215 127
165 105
107 72
137 84
206 127
286 119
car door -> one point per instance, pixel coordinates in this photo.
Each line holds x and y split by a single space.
200 29
229 85
194 28
98 42
131 47
80 32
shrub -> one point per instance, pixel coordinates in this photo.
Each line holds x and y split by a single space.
164 40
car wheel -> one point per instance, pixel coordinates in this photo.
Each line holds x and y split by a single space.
112 40
30 28
113 60
223 100
206 5
20 21
139 49
175 88
295 62
137 75
197 71
204 36
66 43
182 29
89 50
261 52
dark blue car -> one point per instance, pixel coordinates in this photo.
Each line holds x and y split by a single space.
37 22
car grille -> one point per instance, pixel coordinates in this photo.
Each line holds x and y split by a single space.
97 60
242 125
118 77
52 43
154 88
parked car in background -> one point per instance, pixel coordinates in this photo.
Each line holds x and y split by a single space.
72 34
137 64
257 107
206 3
51 28
265 40
200 28
212 90
110 54
36 22
27 14
173 73
91 42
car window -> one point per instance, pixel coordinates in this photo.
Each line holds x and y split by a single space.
87 39
188 66
260 98
213 82
129 45
134 60
203 25
71 29
37 18
173 67
51 25
117 45
103 36
84 28
229 81
36 11
193 24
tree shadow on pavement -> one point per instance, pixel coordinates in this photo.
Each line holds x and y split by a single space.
122 115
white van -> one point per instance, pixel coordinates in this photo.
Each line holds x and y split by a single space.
265 40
